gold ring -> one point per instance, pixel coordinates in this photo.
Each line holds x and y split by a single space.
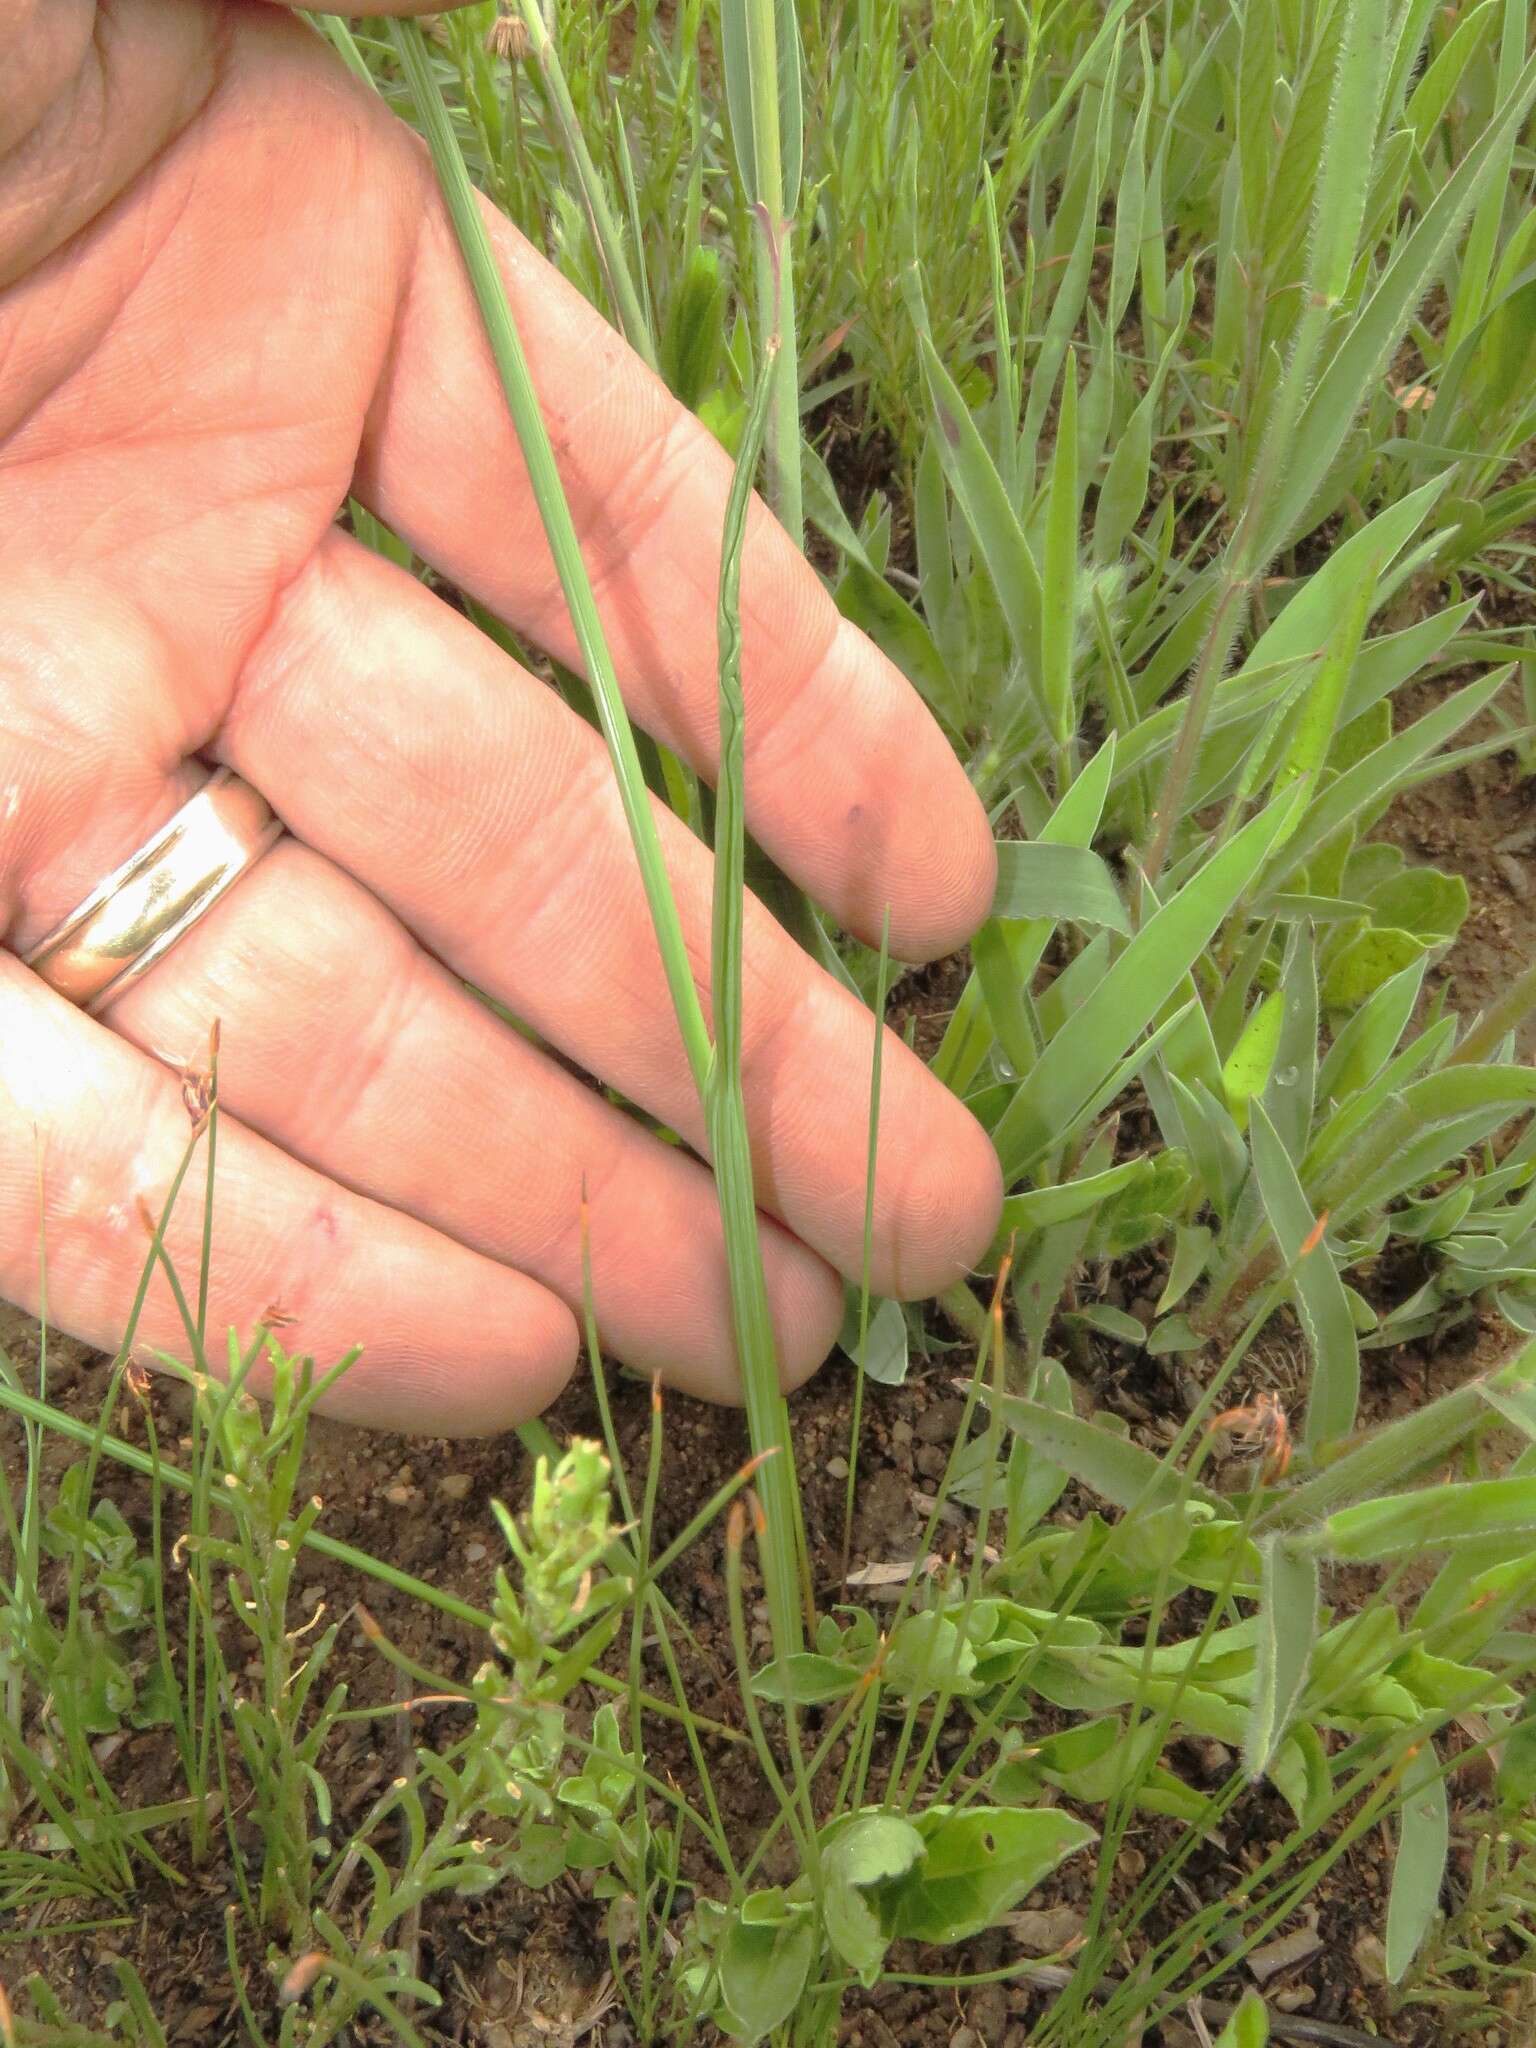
133 918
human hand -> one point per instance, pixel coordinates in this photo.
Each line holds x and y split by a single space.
228 298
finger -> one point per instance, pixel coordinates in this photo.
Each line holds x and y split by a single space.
412 1092
485 814
90 1129
850 785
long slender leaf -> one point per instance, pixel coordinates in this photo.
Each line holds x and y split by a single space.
1288 1609
1130 995
1418 1869
1334 1394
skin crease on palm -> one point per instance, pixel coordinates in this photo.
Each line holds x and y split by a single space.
228 297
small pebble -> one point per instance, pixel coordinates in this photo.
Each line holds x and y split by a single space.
940 1424
455 1485
837 1468
1294 1998
399 1496
1370 1957
475 1553
901 1433
1517 876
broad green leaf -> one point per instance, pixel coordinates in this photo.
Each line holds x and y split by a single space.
979 1863
927 1654
692 342
764 1968
1431 905
1366 962
1290 1094
1144 1209
884 1353
1076 1062
862 1855
1288 1600
1065 884
806 1678
1109 1321
1418 1871
1517 1766
1247 1067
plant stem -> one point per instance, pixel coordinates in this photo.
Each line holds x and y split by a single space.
544 477
775 268
606 233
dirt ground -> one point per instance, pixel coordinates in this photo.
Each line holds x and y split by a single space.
516 1969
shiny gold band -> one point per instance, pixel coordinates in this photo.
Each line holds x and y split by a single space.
133 918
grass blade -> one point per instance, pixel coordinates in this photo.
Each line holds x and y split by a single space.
1418 1870
1130 995
1334 1394
1288 1610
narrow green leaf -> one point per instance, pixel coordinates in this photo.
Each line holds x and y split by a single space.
1473 1511
1041 1208
1116 1469
1418 1871
1382 773
1290 1094
1431 1121
1319 1292
1066 884
1138 984
1288 1610
1248 2026
1380 323
1058 620
994 524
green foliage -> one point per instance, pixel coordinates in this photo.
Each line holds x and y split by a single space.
1196 342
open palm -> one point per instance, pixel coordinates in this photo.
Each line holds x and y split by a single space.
228 298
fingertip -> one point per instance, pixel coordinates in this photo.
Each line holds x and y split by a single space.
944 1211
521 1365
807 1303
953 858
